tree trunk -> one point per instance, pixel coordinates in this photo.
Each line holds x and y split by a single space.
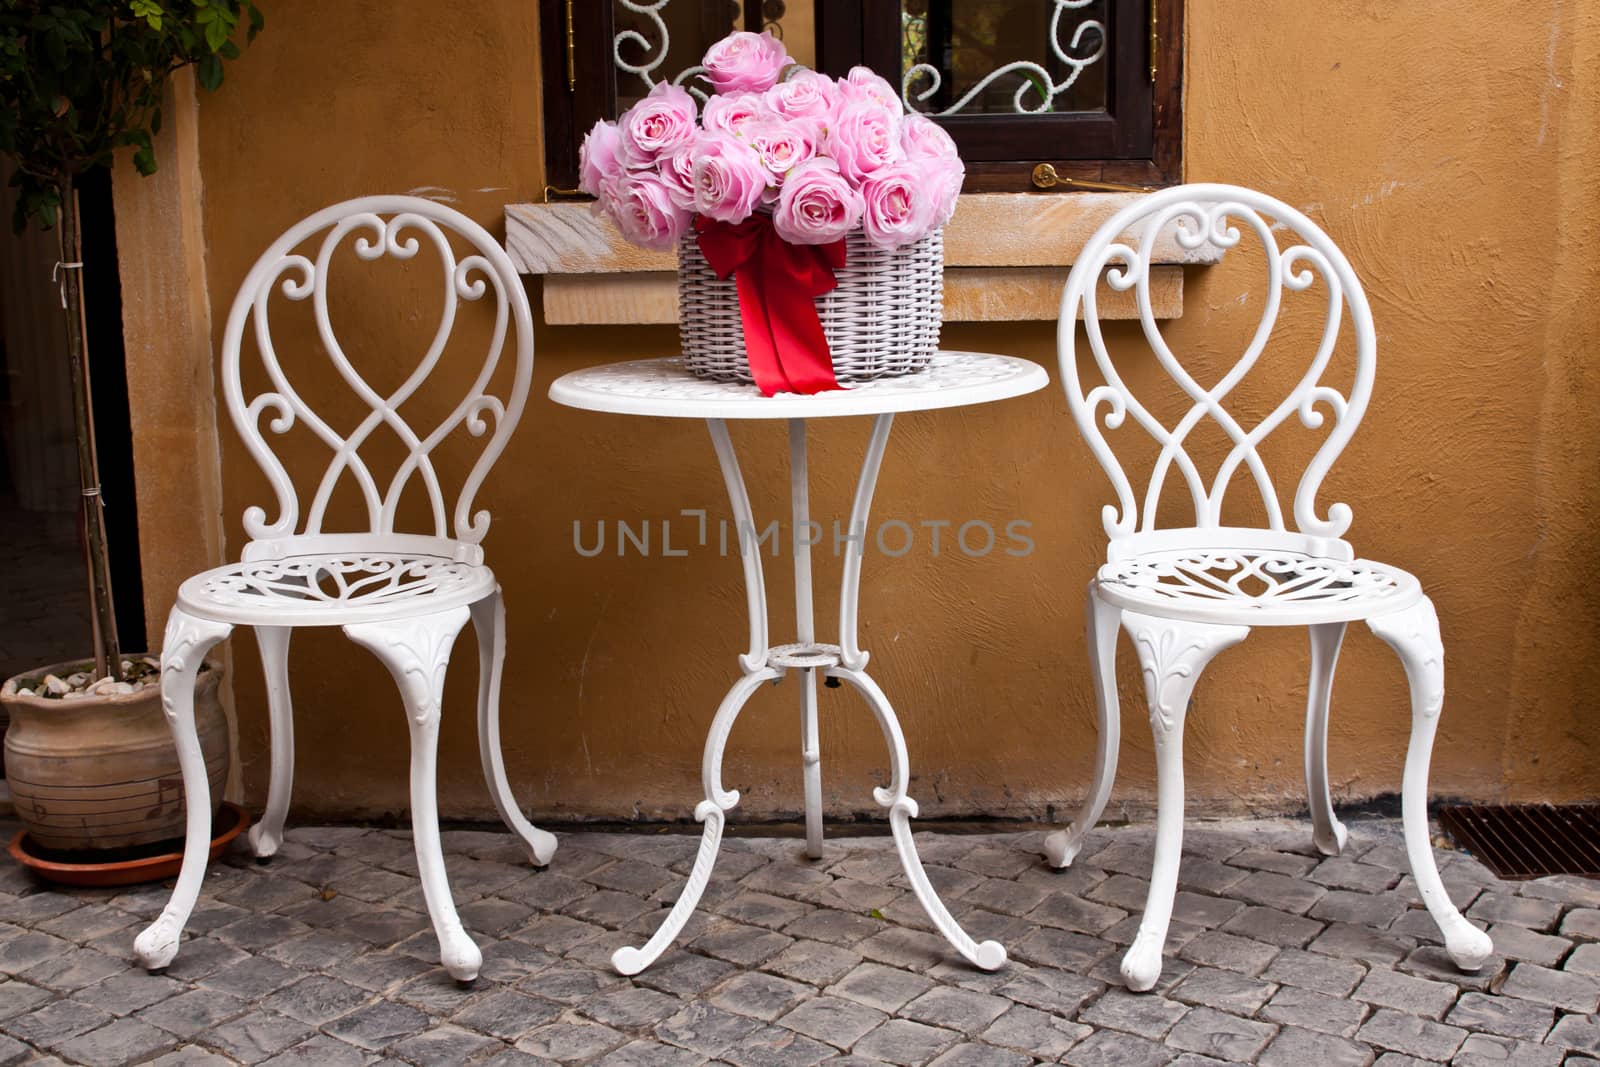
107 650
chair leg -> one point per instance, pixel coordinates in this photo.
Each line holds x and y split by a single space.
1062 847
1171 656
417 653
1328 833
267 835
489 622
184 648
1414 634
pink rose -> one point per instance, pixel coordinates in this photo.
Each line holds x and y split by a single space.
745 62
862 83
657 125
677 171
922 138
944 177
782 146
925 143
805 95
600 157
864 139
728 177
817 205
894 214
641 205
729 114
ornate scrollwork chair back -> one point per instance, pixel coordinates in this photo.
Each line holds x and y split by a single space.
1121 255
1185 590
399 228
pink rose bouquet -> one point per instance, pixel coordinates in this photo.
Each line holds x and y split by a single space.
820 157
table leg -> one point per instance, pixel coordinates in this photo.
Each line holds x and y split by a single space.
850 654
853 659
989 955
755 587
712 813
806 634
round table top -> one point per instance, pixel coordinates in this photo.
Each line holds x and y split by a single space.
662 387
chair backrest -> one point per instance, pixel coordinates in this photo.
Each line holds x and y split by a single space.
1121 252
398 227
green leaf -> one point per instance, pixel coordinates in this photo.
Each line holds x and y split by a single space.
209 72
217 33
150 11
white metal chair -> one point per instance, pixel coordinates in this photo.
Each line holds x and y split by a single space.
1183 593
404 596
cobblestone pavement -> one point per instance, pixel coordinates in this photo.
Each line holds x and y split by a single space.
325 956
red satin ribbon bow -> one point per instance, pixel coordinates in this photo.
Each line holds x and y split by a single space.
778 286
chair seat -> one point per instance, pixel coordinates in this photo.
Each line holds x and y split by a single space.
1255 588
333 589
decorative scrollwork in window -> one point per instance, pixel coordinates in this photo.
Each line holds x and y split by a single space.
651 54
914 38
772 12
1035 78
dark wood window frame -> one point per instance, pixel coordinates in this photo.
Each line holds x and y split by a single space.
570 35
1136 140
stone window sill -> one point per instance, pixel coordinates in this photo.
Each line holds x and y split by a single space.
1006 258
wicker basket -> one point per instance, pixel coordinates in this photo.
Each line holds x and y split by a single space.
881 321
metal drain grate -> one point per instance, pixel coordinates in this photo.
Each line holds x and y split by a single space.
1528 840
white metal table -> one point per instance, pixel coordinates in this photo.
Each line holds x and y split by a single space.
661 387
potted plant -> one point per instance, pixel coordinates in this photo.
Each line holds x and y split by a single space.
88 754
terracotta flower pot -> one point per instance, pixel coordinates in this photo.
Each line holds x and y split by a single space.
101 772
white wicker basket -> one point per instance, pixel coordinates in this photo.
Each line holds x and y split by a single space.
881 321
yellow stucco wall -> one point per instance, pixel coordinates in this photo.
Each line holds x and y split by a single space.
1449 148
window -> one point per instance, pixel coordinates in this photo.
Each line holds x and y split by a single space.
1091 87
